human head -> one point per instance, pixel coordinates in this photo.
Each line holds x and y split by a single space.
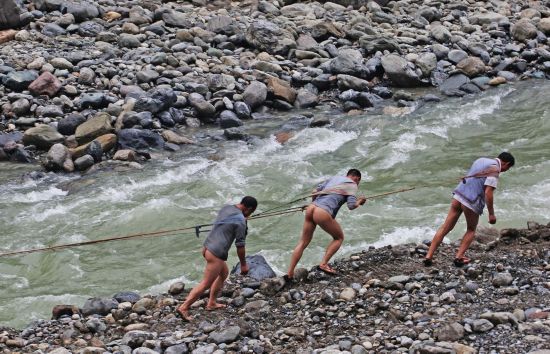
507 161
354 175
248 205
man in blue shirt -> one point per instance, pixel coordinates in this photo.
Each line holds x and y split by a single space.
327 200
469 197
230 226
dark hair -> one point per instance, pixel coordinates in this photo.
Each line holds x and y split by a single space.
354 172
249 202
507 157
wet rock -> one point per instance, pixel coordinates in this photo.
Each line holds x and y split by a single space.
56 159
84 162
94 127
19 80
99 306
95 151
259 268
523 30
45 84
42 136
138 139
94 100
173 137
228 119
235 133
398 71
107 142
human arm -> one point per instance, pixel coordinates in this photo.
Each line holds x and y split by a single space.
240 238
319 188
241 252
489 190
353 202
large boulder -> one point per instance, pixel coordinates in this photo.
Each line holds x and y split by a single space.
258 268
523 30
9 16
45 84
255 94
138 139
471 66
398 71
94 127
269 37
42 136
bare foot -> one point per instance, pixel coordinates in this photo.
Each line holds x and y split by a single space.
216 306
184 314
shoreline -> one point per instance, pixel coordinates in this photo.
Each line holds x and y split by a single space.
382 300
95 82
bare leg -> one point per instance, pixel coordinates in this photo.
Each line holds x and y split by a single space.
330 226
305 239
214 267
452 217
471 224
215 289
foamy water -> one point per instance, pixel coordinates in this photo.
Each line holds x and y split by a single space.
430 146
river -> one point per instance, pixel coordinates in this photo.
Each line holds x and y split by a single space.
431 146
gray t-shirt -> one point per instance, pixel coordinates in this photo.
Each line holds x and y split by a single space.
332 202
230 225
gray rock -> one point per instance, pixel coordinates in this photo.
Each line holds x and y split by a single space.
9 16
95 325
500 318
177 349
99 306
56 157
127 296
204 109
84 162
178 19
21 106
426 62
348 61
222 24
93 127
258 266
81 11
502 279
127 40
440 34
227 335
400 279
229 119
135 339
19 80
306 99
147 75
242 110
255 94
374 43
456 55
348 294
90 29
138 139
53 30
95 100
268 36
95 150
319 121
398 71
42 136
451 332
346 82
453 83
482 325
176 288
68 125
523 30
157 100
471 66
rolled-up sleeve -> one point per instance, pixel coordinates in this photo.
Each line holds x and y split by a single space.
491 181
351 200
240 234
321 186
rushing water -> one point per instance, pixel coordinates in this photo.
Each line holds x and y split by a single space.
431 146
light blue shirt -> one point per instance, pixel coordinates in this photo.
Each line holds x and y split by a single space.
332 202
471 194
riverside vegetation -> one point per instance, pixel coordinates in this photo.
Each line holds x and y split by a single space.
383 301
84 82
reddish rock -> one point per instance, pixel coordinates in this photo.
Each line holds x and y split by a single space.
46 84
8 35
64 310
283 137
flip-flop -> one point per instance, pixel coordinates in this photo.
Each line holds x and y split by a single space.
327 270
459 262
288 279
427 262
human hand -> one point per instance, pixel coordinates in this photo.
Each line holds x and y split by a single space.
492 219
361 200
244 269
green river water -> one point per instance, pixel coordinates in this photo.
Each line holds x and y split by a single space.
430 146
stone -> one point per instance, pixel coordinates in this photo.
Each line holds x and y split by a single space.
222 24
94 100
126 40
45 84
523 30
242 110
374 43
502 279
499 80
228 119
135 339
127 296
440 33
157 100
142 305
86 76
177 19
544 26
81 11
147 76
306 99
94 149
269 37
19 80
83 162
64 310
426 62
399 72
176 288
68 125
255 94
56 157
226 335
451 332
348 294
21 106
500 318
42 136
259 268
235 133
400 279
348 61
173 137
62 64
107 142
346 82
125 155
319 121
138 139
456 55
99 306
53 30
482 325
93 127
471 66
280 89
9 16
177 349
454 82
7 35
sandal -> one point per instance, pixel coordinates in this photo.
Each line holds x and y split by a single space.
327 269
427 262
459 262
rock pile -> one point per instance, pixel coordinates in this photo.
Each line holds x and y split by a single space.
382 301
121 75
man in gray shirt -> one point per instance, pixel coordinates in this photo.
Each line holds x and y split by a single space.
327 200
230 226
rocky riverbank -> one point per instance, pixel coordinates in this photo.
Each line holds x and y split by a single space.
84 82
383 301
